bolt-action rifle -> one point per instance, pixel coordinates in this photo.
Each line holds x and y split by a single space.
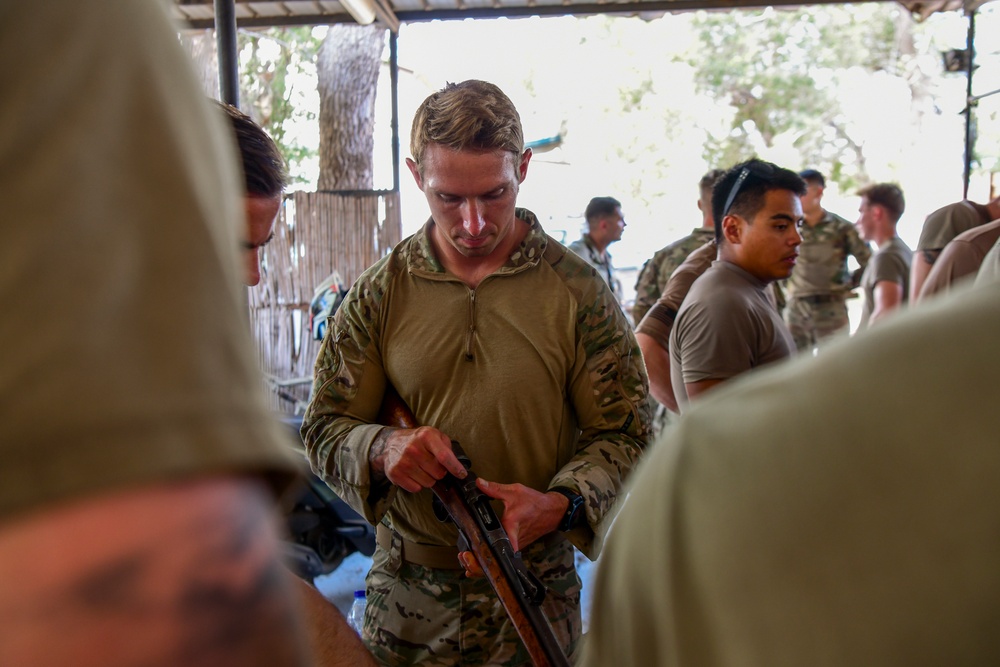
481 533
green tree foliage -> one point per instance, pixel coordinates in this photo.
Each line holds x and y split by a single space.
274 65
782 74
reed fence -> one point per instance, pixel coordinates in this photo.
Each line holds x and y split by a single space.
315 234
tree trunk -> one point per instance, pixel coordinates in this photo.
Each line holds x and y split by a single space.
908 67
348 66
201 47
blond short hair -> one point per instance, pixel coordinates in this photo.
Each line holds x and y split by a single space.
473 114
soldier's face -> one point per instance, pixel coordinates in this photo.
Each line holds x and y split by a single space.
261 213
616 225
812 197
471 195
867 222
768 248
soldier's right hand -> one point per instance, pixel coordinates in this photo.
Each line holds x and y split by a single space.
415 459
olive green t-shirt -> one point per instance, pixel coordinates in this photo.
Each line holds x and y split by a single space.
126 353
890 264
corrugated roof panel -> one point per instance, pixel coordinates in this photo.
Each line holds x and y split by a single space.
303 7
408 5
194 12
267 9
330 7
321 11
438 4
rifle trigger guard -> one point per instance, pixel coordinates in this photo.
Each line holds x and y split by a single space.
531 588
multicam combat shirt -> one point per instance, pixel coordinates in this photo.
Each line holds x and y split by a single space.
535 372
822 265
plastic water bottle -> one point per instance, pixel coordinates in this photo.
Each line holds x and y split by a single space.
356 617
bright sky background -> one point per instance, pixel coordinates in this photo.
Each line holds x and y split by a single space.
567 73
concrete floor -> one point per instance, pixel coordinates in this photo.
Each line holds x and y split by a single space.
339 585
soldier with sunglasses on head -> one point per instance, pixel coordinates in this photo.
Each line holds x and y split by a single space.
727 324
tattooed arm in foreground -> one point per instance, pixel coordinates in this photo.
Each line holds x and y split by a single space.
177 574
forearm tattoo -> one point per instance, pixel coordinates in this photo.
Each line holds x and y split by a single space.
207 592
376 456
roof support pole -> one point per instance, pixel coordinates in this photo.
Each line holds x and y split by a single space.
970 131
225 39
394 122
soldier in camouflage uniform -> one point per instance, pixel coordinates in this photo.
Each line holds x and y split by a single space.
656 272
820 283
548 401
605 224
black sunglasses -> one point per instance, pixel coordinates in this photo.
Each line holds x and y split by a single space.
761 169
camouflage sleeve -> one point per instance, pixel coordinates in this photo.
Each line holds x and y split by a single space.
580 249
338 428
647 290
609 392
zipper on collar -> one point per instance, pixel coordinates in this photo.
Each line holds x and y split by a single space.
470 334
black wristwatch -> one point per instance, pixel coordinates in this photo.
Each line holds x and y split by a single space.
574 513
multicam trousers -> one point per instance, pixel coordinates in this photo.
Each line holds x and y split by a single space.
812 319
427 616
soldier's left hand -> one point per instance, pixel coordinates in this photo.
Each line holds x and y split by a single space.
527 516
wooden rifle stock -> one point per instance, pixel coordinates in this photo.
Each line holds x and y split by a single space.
519 591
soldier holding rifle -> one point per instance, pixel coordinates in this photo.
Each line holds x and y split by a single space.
495 336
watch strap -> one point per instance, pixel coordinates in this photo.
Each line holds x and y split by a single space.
574 512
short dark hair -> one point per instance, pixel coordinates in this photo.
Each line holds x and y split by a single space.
600 207
887 195
813 176
263 167
741 190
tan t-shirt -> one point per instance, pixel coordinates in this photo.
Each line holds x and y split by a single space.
949 221
839 510
726 326
960 260
126 353
990 269
660 319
